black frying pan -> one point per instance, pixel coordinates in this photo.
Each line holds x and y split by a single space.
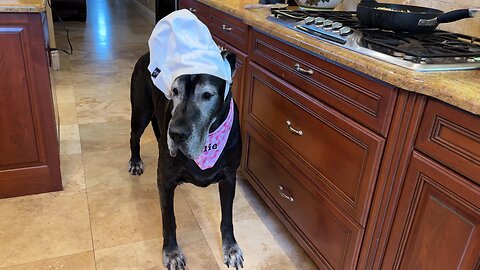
407 18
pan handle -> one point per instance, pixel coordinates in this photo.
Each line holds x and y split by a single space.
457 15
451 17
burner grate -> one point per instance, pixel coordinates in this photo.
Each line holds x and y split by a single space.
432 45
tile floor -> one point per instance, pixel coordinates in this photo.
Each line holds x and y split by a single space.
106 219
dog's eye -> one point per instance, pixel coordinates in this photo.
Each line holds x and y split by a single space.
206 95
175 91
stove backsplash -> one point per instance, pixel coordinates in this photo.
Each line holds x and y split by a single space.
469 26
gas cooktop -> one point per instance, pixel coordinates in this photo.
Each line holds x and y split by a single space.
434 51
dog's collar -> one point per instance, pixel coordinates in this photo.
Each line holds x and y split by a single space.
216 141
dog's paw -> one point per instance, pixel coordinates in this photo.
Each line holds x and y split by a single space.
135 168
174 259
233 256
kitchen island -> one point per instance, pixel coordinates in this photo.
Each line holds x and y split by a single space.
369 165
29 151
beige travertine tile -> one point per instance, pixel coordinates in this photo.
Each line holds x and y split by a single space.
101 80
126 215
148 254
105 136
73 175
63 77
86 66
260 248
205 204
80 261
114 89
69 139
65 94
67 113
100 110
43 226
125 50
109 169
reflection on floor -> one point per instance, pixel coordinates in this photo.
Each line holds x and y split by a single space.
105 218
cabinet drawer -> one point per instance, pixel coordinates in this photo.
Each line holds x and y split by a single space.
332 237
452 137
342 156
229 28
199 9
365 100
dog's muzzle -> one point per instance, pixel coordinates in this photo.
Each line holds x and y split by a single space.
179 135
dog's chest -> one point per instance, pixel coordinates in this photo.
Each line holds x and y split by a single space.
201 179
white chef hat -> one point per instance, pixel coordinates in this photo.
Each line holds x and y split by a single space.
181 44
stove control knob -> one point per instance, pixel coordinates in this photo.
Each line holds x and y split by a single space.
345 31
309 20
327 23
336 26
319 20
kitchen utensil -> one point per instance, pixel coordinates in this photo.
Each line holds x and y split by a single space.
407 18
317 4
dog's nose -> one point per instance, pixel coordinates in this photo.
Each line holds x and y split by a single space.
178 135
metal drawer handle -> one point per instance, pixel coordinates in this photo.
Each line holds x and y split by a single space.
224 27
193 10
282 193
294 131
304 71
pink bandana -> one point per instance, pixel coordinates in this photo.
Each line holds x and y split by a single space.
215 143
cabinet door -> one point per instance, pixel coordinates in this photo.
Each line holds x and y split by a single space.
437 224
29 158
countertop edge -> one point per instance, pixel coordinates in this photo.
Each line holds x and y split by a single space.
18 7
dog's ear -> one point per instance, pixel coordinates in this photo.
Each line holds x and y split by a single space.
231 58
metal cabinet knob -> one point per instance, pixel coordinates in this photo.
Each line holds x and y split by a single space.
193 10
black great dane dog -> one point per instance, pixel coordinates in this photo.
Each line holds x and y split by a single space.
181 125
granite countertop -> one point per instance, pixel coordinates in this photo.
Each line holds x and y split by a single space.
22 5
459 88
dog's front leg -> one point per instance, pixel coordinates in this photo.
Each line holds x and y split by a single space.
232 254
173 258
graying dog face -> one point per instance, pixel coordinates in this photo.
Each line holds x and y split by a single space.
197 99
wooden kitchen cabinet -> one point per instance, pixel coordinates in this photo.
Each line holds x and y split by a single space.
341 157
29 153
452 137
437 224
388 124
363 174
315 153
363 99
331 237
